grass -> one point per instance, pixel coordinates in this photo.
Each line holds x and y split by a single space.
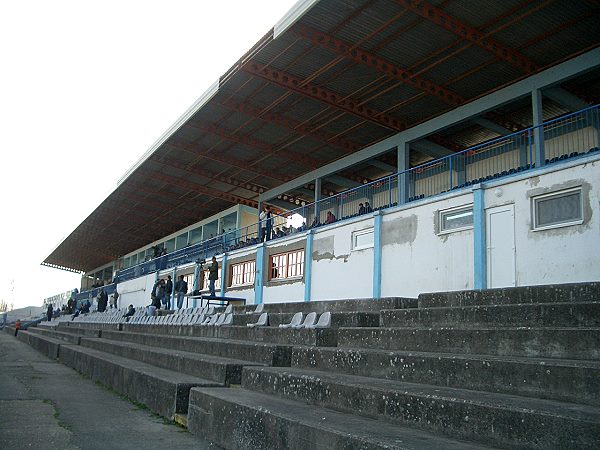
56 414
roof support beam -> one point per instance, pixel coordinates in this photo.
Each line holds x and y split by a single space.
549 77
565 98
453 25
492 126
228 160
333 99
382 165
363 57
194 170
292 125
430 148
342 181
249 141
202 189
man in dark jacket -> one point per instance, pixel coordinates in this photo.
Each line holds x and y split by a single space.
213 275
168 291
181 288
49 312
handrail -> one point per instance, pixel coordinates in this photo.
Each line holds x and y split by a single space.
450 165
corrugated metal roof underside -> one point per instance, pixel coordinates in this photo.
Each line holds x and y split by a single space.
261 130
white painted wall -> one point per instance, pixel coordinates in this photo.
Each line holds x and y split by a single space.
415 259
338 272
560 255
136 292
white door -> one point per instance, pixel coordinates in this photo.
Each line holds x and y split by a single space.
500 241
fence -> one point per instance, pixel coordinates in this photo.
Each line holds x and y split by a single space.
565 137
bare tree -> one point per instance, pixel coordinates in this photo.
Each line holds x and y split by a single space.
4 306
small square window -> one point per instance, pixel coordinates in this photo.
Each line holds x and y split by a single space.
363 239
456 219
558 209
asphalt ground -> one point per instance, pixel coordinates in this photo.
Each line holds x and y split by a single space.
46 405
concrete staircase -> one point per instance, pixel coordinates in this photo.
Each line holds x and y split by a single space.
507 368
517 368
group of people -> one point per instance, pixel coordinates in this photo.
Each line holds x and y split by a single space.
162 291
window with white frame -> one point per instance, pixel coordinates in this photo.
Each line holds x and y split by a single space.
558 209
363 239
286 265
456 219
243 273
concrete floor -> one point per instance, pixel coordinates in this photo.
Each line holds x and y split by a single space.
46 405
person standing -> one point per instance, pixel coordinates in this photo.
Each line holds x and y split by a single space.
168 291
269 227
49 312
181 288
262 224
213 275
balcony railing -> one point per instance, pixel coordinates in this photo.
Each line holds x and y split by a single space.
566 137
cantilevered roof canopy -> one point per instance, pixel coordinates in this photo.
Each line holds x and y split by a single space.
332 78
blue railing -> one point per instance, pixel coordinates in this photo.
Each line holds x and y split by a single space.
564 137
93 293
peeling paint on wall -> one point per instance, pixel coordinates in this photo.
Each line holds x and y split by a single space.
402 230
323 248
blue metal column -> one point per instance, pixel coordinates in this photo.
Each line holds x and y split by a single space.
308 265
173 280
377 219
538 131
479 244
403 177
259 277
196 281
318 190
224 276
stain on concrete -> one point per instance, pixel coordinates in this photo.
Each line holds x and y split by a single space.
323 248
402 230
533 181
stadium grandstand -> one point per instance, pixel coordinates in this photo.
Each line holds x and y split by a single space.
403 147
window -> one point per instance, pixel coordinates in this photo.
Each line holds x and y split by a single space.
362 239
182 241
243 273
558 209
205 281
456 219
286 265
196 235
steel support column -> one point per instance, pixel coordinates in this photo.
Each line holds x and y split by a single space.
538 130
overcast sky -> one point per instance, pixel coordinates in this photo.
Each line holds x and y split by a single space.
86 88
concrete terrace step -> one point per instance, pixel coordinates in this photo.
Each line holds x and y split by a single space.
241 419
275 335
89 331
320 306
578 314
222 370
338 319
504 420
56 334
165 392
570 343
556 379
557 293
264 353
46 345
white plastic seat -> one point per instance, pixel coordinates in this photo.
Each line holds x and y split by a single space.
214 319
220 320
309 321
258 310
296 320
229 309
262 321
228 319
324 321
